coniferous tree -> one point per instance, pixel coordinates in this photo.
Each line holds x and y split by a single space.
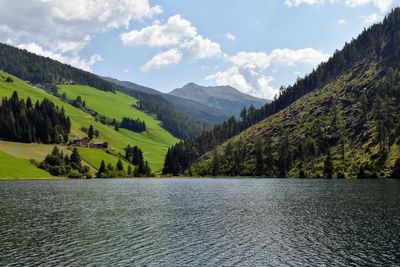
102 169
91 132
119 165
75 158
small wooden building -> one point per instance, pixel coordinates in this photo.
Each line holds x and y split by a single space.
103 145
81 141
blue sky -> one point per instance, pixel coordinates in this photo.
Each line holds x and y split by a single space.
255 46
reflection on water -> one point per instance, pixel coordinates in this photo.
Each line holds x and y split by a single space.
206 222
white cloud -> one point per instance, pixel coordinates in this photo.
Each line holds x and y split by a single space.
60 29
68 25
179 35
201 48
107 13
342 22
242 80
382 5
248 70
260 61
308 56
372 18
75 61
294 3
231 77
160 60
250 60
230 37
171 33
126 71
266 90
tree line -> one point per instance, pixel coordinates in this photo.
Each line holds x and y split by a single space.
133 125
137 167
38 69
42 122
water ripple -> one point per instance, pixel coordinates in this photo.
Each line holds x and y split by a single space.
207 222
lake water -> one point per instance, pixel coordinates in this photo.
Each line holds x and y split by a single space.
200 222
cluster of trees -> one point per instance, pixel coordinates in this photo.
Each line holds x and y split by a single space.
133 125
38 69
378 43
58 164
137 167
134 155
77 102
109 171
42 122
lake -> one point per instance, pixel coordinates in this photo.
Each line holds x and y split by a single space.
200 222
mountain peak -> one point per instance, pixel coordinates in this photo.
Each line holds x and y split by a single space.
221 97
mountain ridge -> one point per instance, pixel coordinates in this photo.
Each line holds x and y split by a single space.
196 110
220 97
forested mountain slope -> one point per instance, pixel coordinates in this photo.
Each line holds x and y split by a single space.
356 73
349 128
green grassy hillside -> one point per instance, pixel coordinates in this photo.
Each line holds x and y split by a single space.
116 106
18 168
153 142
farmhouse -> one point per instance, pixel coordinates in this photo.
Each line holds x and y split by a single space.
81 141
103 145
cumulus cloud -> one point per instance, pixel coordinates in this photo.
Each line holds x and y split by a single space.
171 33
170 57
260 60
342 22
232 77
60 29
176 33
75 61
201 48
68 25
248 70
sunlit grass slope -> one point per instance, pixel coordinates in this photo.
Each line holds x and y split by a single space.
29 151
18 168
153 142
118 105
94 157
